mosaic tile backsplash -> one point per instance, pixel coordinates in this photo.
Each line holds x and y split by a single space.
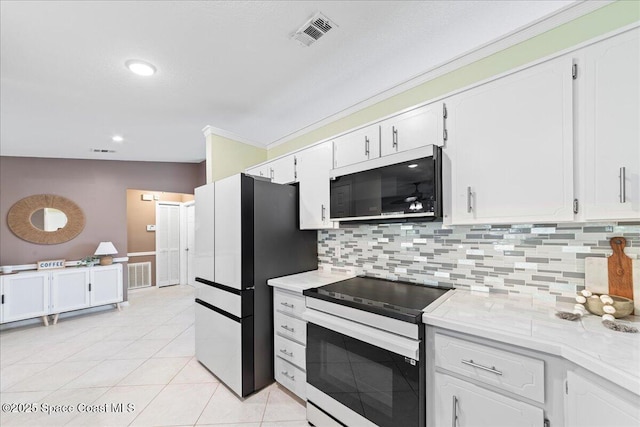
546 260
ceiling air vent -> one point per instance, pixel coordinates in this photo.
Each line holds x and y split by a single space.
102 150
313 29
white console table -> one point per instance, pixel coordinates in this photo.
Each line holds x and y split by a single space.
31 294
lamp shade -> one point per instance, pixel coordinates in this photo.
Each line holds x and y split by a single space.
106 248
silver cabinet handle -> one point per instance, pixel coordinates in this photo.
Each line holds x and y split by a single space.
394 136
285 327
286 304
623 185
454 416
295 167
323 213
445 134
475 365
469 195
261 173
271 173
286 374
286 353
366 146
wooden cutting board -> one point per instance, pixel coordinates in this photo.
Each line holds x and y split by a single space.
620 269
597 275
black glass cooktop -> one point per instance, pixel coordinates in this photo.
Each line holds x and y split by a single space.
400 300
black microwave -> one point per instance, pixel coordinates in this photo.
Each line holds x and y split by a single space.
408 190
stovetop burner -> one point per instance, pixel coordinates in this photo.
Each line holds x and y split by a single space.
400 300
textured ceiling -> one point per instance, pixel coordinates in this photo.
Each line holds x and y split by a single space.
229 64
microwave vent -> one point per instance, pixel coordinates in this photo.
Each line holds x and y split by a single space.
313 29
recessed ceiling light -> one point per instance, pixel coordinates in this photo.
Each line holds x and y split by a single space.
140 68
117 138
413 165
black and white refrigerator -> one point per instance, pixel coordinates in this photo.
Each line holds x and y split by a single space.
246 232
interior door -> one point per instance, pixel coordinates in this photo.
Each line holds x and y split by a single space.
167 244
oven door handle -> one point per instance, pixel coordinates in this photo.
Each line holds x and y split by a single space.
378 337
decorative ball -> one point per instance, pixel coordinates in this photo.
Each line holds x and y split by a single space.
581 299
586 293
609 309
606 299
579 307
608 317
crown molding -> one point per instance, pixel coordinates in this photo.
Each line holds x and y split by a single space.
211 130
535 28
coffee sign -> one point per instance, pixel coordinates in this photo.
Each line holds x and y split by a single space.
51 264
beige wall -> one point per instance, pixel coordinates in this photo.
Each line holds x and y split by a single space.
226 157
141 213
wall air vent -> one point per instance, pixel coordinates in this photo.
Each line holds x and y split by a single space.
313 29
102 150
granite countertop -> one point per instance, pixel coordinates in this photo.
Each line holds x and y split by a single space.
310 279
526 322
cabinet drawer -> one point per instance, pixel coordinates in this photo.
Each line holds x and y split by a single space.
288 302
290 327
291 377
290 351
511 372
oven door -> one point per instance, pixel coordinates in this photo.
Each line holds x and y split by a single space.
358 383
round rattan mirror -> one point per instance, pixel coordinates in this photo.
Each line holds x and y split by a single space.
19 219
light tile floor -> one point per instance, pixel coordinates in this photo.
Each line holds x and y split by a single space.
142 358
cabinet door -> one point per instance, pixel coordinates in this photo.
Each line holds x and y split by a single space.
590 405
610 111
283 171
462 404
511 148
313 171
262 170
357 146
106 285
25 295
413 129
69 290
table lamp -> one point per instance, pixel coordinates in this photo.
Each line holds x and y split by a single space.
105 250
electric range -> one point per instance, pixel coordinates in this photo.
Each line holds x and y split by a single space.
365 352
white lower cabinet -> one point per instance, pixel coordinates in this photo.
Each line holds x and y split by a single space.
70 290
590 403
25 295
37 294
462 404
479 385
106 285
289 341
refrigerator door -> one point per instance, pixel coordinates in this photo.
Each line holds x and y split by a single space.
224 344
204 232
228 232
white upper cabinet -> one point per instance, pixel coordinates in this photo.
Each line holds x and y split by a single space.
357 146
280 171
510 142
413 129
261 170
283 170
313 173
610 114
